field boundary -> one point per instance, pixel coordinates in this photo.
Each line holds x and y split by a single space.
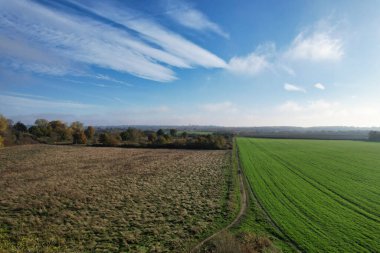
243 209
290 241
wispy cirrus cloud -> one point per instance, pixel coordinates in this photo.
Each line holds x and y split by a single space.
190 17
316 44
28 102
109 37
293 87
255 62
190 54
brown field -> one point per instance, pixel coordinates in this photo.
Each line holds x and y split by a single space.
84 199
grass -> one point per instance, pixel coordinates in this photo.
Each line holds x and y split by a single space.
84 199
323 195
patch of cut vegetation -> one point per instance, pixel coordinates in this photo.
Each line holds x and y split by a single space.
324 196
83 199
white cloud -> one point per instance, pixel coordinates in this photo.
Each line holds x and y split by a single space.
224 107
190 17
189 53
292 87
316 46
81 39
255 62
319 86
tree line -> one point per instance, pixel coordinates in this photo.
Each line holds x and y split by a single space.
58 132
374 136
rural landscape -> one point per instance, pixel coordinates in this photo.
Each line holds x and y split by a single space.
189 126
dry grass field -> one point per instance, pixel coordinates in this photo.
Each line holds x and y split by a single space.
83 199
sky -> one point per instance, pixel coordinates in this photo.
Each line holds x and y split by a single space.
177 62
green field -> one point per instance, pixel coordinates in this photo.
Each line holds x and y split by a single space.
323 195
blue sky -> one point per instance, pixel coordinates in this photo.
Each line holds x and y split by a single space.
228 63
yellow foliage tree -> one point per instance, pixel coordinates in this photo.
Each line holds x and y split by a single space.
3 128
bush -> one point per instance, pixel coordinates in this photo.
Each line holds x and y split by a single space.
243 243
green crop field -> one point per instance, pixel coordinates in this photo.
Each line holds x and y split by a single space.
323 195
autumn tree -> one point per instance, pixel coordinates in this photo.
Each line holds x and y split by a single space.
108 139
79 137
90 132
59 131
78 134
77 125
3 128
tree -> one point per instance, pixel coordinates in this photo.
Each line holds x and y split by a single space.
90 132
184 135
161 140
109 139
3 124
41 128
20 127
79 137
152 137
42 123
132 134
77 131
173 132
160 132
76 125
58 130
3 129
36 131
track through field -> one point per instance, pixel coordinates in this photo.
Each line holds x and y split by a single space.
243 209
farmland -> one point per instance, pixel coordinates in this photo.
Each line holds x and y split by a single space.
323 195
85 199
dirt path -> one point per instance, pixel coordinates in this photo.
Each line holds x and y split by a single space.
243 208
244 184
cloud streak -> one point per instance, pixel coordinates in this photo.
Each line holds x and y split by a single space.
32 102
293 88
109 38
188 16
